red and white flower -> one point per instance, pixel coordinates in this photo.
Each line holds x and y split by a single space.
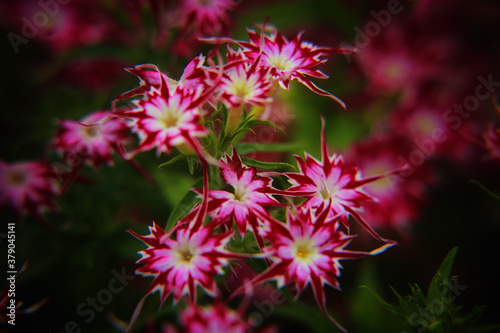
168 116
214 318
93 139
329 182
183 258
245 203
151 77
28 187
288 60
307 250
245 81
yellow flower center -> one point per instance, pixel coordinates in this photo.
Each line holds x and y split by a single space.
170 117
304 250
241 87
90 132
281 62
186 256
239 193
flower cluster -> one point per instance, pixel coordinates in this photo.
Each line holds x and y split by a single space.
255 198
204 115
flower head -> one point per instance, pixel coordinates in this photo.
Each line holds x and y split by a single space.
214 318
245 203
91 140
28 187
208 17
179 264
168 116
399 198
151 77
329 182
289 60
245 81
307 250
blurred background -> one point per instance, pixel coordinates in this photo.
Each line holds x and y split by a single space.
422 89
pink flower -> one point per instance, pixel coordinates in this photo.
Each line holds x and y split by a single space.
91 140
325 181
207 17
245 81
245 203
187 256
436 128
307 250
168 116
289 60
28 187
404 59
63 27
400 197
150 77
215 318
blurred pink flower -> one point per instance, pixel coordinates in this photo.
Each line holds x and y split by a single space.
62 26
28 187
403 59
206 17
215 318
92 140
399 198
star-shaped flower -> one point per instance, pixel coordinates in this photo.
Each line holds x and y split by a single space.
328 181
183 258
244 203
287 60
93 139
306 250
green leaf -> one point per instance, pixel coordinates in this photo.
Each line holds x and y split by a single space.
487 191
254 122
268 165
442 274
172 161
389 307
245 148
184 207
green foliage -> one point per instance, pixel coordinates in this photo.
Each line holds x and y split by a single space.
436 312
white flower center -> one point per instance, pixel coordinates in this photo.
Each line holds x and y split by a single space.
304 250
240 193
91 132
281 61
185 253
328 191
170 117
241 86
